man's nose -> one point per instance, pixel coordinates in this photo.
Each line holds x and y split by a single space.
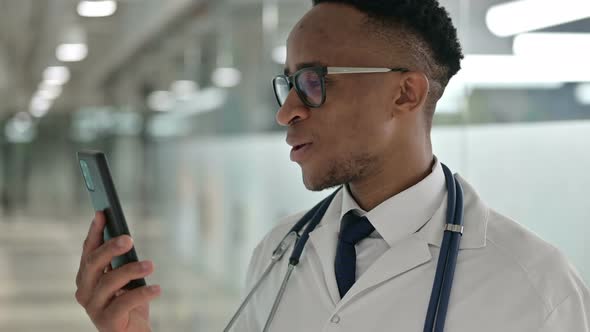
293 110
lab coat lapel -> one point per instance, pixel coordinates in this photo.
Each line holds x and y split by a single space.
413 251
324 240
402 257
475 220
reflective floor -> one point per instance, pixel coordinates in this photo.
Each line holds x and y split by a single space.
38 264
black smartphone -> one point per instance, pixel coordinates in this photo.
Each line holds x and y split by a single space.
100 185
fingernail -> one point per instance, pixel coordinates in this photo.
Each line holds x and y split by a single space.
145 265
154 288
122 242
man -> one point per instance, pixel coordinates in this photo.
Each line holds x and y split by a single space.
370 131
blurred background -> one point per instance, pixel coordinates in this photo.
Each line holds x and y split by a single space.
178 95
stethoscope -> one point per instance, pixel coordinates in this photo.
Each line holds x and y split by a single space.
445 269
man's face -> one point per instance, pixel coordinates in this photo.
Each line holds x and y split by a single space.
353 132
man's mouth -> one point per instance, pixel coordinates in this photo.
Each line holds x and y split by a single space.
300 152
297 147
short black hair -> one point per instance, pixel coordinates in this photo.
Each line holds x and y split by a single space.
425 19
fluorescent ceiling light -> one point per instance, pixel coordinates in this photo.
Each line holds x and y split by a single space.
56 75
582 93
49 91
557 46
226 77
515 71
279 54
504 72
97 8
39 106
71 52
515 17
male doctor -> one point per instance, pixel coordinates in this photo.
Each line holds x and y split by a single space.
370 263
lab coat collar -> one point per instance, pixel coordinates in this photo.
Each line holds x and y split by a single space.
405 254
475 220
405 213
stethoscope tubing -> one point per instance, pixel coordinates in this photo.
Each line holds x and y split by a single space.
309 221
296 254
278 253
447 260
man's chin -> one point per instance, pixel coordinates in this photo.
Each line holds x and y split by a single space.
313 187
318 182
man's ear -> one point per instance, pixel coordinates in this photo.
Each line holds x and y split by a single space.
413 92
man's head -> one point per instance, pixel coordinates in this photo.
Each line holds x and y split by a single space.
368 121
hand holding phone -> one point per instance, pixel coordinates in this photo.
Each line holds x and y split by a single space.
100 185
110 281
100 288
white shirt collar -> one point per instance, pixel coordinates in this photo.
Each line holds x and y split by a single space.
405 213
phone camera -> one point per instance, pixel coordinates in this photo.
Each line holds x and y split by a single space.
86 174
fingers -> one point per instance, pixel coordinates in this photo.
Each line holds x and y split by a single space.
94 238
93 266
122 305
110 284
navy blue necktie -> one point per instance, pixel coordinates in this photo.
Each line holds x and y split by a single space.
353 228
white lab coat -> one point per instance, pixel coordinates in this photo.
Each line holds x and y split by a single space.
507 279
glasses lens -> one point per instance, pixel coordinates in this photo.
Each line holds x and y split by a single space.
281 87
310 86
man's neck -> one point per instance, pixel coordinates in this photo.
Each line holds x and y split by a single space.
390 181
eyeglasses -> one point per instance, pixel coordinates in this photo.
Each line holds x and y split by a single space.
310 82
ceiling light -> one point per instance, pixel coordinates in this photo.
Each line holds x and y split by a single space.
553 45
515 71
226 77
49 91
279 54
56 75
97 8
71 52
39 106
511 18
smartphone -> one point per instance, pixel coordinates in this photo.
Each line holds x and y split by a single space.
100 185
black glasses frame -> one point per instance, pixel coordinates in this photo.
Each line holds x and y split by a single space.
322 71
